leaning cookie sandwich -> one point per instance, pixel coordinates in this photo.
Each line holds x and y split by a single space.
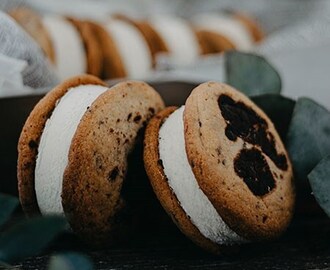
73 152
220 169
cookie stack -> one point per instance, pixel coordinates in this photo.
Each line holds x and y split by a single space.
217 164
124 47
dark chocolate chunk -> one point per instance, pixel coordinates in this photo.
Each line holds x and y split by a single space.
245 123
152 110
137 118
160 163
113 174
33 144
252 167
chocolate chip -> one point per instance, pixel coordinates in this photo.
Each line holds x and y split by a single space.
245 123
160 163
152 110
33 144
118 120
27 165
264 219
113 174
137 118
252 167
129 116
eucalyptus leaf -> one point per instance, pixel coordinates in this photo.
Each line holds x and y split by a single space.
70 261
308 139
251 74
279 109
319 180
29 237
4 265
7 206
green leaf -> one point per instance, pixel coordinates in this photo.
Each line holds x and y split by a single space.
319 180
70 261
252 74
29 237
7 206
4 265
308 139
279 109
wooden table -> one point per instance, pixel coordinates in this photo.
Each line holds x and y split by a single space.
306 245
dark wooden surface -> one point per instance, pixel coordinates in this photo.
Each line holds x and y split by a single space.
306 245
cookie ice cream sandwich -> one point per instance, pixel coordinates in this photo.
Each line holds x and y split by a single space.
73 149
225 31
112 65
155 42
220 169
132 48
179 38
62 39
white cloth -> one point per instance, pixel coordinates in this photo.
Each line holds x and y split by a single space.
16 44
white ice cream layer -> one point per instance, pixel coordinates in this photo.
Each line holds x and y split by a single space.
70 56
55 142
132 47
185 186
179 38
227 26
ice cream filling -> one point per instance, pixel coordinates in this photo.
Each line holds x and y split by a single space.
183 183
133 49
70 56
179 38
55 143
227 26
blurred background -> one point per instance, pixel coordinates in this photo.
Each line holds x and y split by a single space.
162 40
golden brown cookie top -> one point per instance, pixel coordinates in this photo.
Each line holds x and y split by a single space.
239 161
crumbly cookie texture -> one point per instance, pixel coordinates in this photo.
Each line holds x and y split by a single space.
239 161
97 163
